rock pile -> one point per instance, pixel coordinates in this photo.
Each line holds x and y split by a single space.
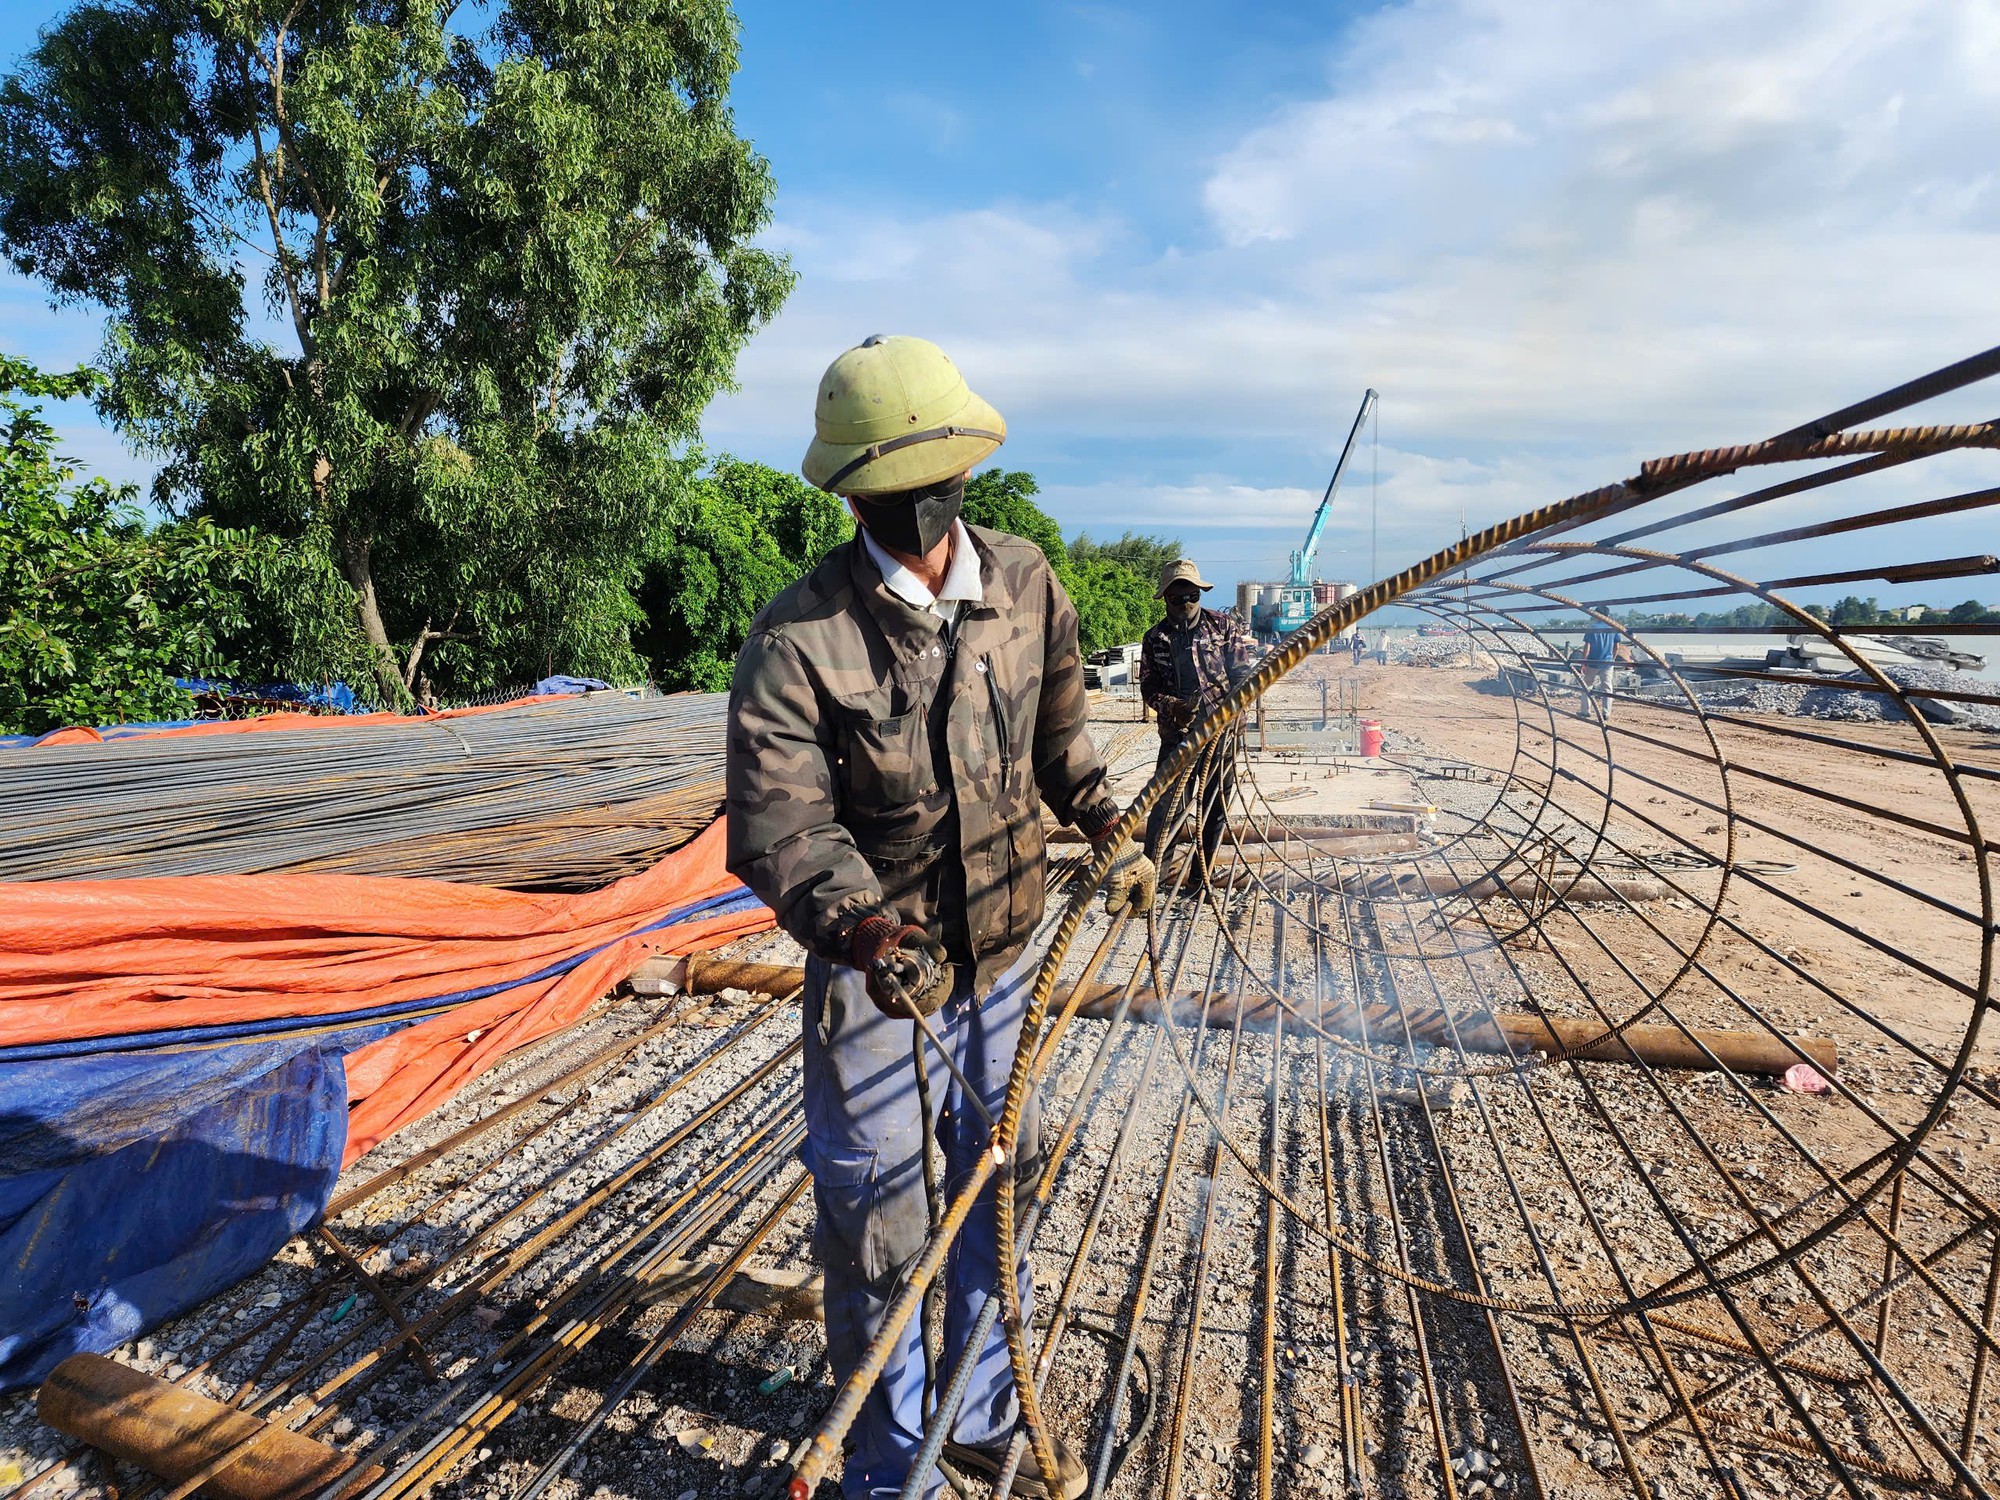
1828 699
1831 702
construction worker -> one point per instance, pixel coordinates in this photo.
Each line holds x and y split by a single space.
899 716
1600 664
1186 663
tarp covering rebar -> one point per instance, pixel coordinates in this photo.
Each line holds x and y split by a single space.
186 1063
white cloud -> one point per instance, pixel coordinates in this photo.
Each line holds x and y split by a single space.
1248 531
1555 227
1661 222
1558 235
1106 509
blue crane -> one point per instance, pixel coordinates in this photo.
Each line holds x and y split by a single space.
1296 603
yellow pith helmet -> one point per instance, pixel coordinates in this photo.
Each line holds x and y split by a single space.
893 413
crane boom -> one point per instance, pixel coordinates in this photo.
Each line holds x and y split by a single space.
1302 560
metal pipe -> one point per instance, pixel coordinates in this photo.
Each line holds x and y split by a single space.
184 1437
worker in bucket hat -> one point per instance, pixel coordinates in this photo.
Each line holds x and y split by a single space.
1187 663
900 716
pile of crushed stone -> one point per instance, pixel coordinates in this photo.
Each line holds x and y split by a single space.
1828 699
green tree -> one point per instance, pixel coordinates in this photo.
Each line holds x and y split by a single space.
501 258
99 611
1971 612
742 533
1853 611
1754 615
1114 603
1146 556
1004 500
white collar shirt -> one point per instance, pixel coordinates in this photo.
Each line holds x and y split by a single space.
961 579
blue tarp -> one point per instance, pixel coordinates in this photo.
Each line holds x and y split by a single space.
140 1175
337 696
107 731
141 1185
568 685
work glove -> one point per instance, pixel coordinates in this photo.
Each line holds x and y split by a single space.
904 965
1133 880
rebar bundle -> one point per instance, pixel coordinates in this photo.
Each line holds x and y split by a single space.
561 795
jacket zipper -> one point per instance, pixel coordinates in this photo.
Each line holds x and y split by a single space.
999 722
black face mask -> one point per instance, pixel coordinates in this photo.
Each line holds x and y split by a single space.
913 521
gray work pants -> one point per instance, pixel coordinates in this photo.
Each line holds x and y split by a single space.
864 1144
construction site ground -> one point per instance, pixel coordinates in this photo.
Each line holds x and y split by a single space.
661 1133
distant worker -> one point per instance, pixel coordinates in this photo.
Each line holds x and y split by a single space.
1359 644
1186 663
1600 665
899 715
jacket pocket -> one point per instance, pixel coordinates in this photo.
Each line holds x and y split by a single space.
909 871
885 762
1026 896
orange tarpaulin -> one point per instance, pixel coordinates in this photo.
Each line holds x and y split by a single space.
78 734
114 958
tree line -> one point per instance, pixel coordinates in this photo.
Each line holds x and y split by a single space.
416 309
103 610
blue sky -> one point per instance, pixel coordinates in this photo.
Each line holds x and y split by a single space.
1173 243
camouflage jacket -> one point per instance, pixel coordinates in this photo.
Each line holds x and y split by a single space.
873 765
1184 671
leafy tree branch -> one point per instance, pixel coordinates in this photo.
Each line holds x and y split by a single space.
100 611
514 254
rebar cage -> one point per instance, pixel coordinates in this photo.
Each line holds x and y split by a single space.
1619 1127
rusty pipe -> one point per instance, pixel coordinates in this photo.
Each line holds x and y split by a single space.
1513 1033
170 1431
1570 885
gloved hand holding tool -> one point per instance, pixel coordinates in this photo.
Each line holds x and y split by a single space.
906 967
1176 714
1133 880
909 976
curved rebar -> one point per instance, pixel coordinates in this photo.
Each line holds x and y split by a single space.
1526 896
